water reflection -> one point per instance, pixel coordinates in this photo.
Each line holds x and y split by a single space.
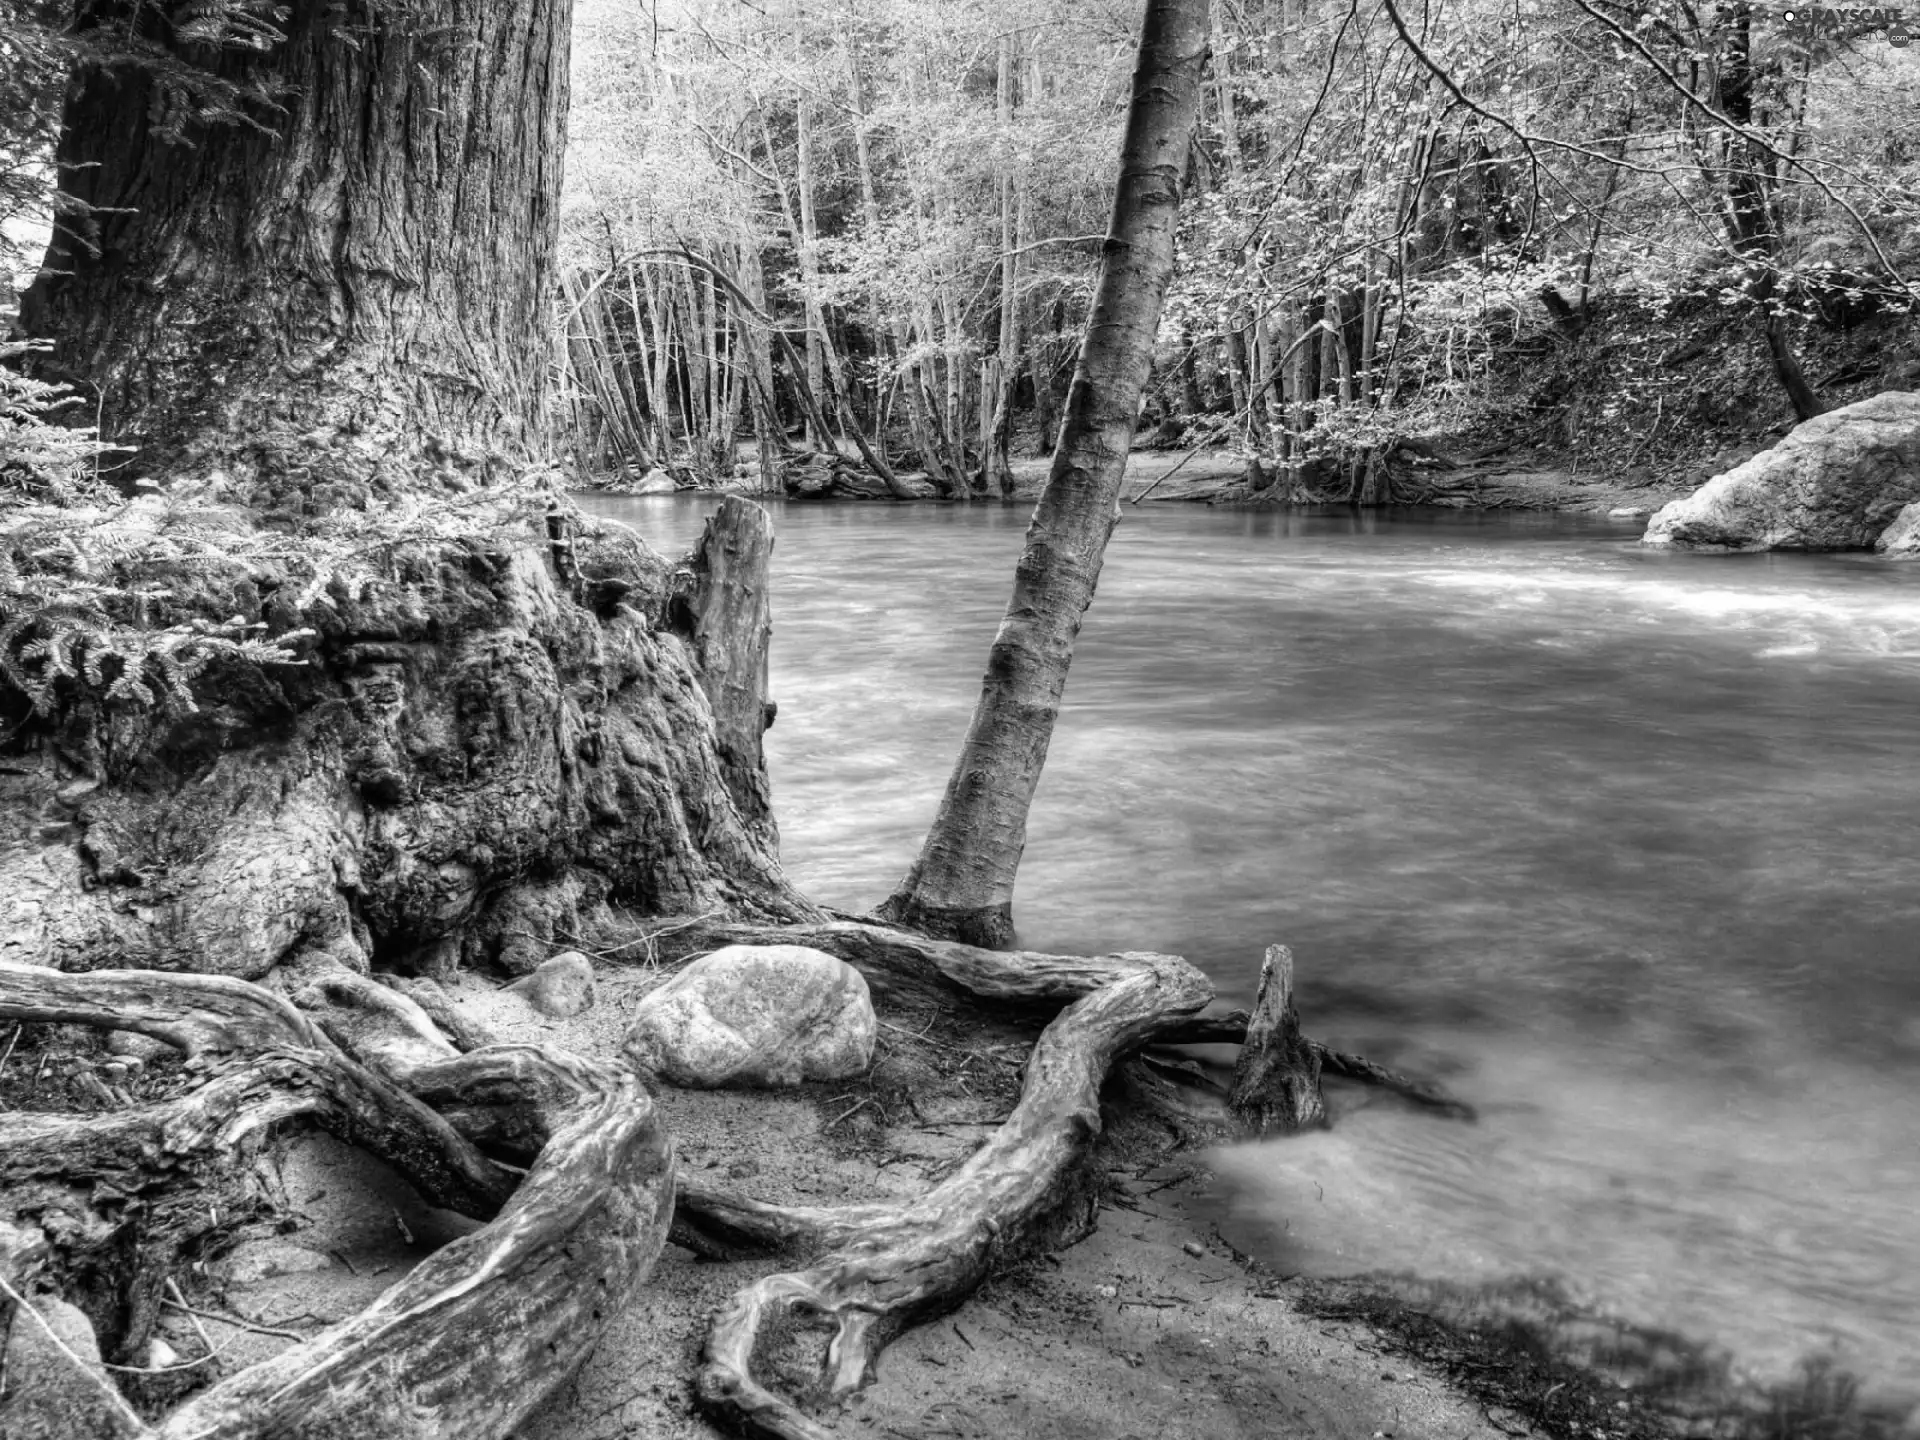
1620 841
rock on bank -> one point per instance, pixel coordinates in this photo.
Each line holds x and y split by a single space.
1836 483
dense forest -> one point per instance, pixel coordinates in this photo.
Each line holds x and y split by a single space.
1629 236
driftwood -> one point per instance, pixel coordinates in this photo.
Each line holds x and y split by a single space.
885 1266
1231 1029
567 1244
1276 1085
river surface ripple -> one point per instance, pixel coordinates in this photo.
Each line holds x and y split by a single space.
1620 844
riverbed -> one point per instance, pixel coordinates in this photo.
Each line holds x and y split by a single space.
1618 844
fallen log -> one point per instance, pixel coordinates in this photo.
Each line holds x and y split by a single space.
886 1266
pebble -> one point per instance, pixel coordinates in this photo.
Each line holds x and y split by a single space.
1194 1248
1109 1292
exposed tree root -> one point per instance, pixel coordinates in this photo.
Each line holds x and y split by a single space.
210 1016
888 1265
1231 1029
890 956
565 1250
484 1330
886 954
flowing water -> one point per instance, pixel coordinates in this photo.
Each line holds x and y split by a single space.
1619 844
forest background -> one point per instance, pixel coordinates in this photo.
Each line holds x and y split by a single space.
1633 239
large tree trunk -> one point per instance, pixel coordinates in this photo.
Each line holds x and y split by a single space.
338 329
962 884
322 298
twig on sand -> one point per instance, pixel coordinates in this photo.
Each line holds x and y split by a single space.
233 1320
854 1109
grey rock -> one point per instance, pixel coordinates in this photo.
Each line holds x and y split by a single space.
654 482
132 1045
756 1015
1903 536
1832 484
562 987
48 1397
1626 512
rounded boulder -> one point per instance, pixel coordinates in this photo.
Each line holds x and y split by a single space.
756 1015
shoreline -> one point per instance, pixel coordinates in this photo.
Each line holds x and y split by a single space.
1176 477
1154 1326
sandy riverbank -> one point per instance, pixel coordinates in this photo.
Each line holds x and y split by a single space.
1151 1327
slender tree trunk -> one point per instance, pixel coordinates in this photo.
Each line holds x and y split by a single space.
1752 212
1004 376
962 884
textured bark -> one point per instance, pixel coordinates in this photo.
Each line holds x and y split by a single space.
886 1266
1276 1084
470 766
962 883
210 1016
359 288
727 618
1231 1029
495 733
471 1340
484 1330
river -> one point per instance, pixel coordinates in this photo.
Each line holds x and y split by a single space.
1619 844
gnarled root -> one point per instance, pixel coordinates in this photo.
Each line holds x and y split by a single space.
888 1265
568 1244
484 1330
211 1018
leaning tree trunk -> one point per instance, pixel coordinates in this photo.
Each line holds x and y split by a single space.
962 884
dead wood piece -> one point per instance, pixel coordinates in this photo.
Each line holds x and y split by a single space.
1231 1029
892 1264
200 1014
1276 1084
509 1099
211 1016
539 1284
565 1251
724 610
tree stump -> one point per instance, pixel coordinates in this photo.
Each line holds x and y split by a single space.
1276 1084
